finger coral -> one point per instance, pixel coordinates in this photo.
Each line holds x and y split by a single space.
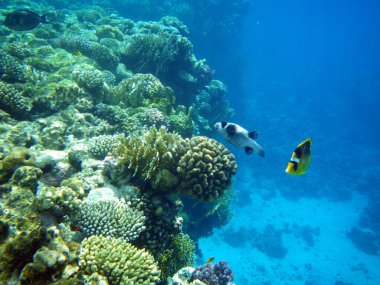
101 146
206 169
119 261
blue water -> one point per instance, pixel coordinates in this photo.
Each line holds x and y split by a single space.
311 69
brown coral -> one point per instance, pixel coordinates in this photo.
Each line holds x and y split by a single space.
206 169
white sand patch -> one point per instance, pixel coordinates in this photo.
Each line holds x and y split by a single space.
333 256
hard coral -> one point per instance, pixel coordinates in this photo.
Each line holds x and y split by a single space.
19 156
101 146
13 101
213 274
179 254
110 218
11 70
119 261
206 169
147 155
144 90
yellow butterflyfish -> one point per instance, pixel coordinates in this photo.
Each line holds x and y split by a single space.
300 159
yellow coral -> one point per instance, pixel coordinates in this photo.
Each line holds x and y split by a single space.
119 261
206 169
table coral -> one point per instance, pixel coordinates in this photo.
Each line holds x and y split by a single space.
119 261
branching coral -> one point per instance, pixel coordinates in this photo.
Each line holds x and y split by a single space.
110 218
144 90
101 146
179 254
213 274
119 261
147 155
157 53
199 167
11 70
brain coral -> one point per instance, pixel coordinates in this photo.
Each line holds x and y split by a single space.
119 261
111 218
206 169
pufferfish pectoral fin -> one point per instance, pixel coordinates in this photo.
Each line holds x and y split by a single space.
300 159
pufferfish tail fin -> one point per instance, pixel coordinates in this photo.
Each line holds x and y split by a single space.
300 159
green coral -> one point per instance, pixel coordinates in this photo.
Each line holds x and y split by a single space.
179 254
27 176
200 167
119 261
144 90
11 70
13 101
61 200
110 218
19 156
107 31
101 146
181 121
147 155
161 54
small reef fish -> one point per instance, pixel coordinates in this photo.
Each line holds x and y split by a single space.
210 259
300 159
240 137
23 20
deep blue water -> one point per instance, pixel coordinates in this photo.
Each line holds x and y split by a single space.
311 69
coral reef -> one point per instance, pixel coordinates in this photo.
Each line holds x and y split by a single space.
144 90
101 146
61 200
199 167
179 254
146 155
206 168
269 241
162 222
105 57
19 156
119 261
13 101
57 260
110 218
108 106
11 70
213 274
